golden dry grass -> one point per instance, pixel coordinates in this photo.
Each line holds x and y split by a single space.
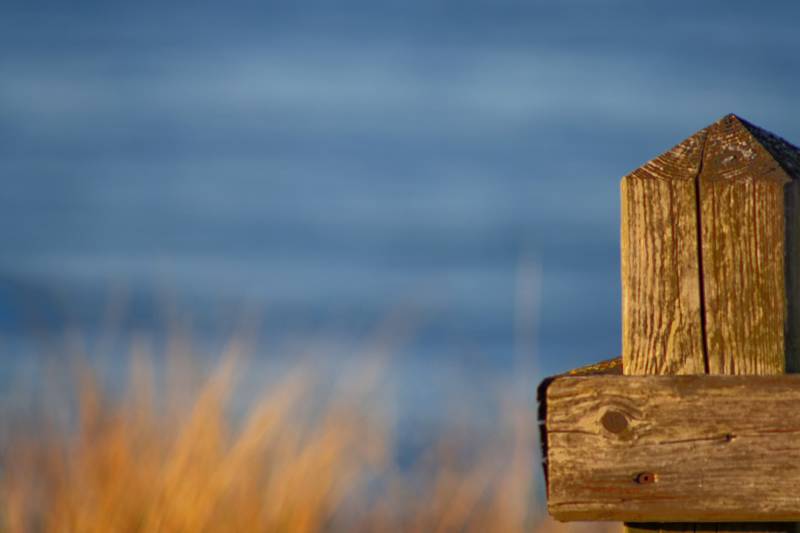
168 456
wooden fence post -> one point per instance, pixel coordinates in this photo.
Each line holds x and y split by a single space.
709 264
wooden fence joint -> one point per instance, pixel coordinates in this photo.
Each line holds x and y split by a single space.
710 238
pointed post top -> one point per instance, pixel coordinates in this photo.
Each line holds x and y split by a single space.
729 149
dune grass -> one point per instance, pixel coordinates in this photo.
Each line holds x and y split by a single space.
170 454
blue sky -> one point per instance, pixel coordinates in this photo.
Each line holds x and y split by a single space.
331 162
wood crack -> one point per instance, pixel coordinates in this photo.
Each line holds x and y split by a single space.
727 437
700 272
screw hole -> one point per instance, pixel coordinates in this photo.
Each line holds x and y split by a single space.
645 478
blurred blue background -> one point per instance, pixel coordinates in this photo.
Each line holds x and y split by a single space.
328 166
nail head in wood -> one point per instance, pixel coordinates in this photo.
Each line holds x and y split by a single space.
645 478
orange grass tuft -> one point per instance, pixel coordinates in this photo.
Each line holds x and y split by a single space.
167 458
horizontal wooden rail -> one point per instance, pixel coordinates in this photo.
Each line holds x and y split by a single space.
672 448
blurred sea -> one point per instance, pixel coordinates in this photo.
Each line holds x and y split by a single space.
333 167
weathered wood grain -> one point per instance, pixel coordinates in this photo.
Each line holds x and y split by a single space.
728 304
742 203
607 367
661 320
709 255
674 448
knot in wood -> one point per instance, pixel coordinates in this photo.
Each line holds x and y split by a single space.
614 421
